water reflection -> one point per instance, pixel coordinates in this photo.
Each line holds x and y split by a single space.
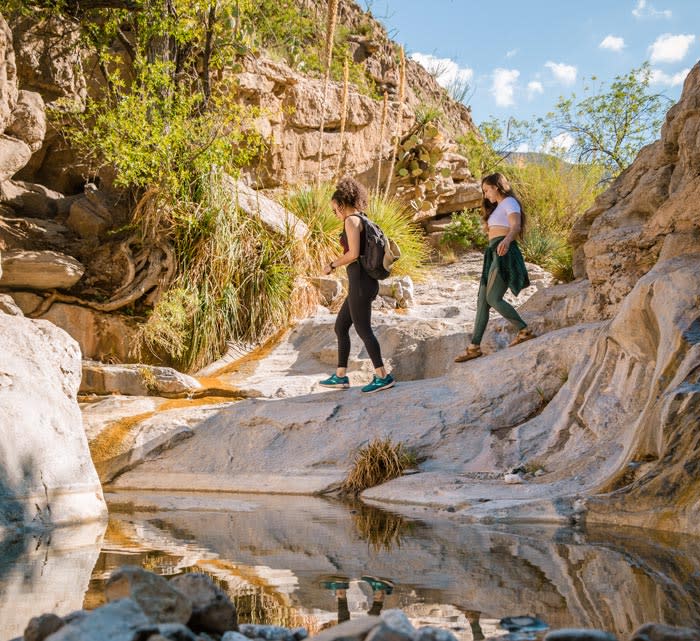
278 558
45 573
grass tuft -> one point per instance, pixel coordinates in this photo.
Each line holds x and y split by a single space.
379 461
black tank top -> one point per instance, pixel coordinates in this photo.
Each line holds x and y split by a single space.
344 239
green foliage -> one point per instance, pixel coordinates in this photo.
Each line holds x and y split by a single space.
609 127
395 220
466 231
312 205
235 278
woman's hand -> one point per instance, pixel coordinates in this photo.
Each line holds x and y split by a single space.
327 269
503 247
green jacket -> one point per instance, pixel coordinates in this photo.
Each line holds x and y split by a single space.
511 266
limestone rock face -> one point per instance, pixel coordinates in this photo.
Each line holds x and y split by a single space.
47 475
648 213
39 270
49 58
8 75
29 120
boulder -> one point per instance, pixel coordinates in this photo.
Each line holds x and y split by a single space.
328 287
153 594
212 610
89 217
118 621
466 195
35 201
661 632
28 120
271 213
47 477
39 270
14 154
101 336
136 380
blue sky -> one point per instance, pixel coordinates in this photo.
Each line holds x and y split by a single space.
519 56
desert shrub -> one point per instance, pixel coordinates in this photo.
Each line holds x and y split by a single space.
379 461
465 231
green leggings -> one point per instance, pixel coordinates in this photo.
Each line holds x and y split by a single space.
490 296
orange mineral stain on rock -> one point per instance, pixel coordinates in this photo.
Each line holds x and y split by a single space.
114 439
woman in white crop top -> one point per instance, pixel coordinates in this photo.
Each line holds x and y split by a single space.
504 267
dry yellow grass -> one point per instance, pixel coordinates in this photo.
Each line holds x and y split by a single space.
379 461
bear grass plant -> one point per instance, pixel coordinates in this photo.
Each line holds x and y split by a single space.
379 461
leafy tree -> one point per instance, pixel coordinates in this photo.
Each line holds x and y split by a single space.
609 127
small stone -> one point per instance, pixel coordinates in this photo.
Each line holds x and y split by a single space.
430 633
267 632
234 636
353 630
579 634
451 508
512 479
42 626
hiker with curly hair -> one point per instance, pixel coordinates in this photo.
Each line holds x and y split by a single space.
504 266
348 201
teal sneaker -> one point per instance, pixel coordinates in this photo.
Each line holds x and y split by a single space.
337 382
379 584
379 383
335 582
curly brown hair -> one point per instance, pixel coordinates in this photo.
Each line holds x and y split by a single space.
350 193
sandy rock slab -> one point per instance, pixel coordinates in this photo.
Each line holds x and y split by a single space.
39 270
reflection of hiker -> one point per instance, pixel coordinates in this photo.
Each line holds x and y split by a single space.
348 200
340 585
504 267
473 618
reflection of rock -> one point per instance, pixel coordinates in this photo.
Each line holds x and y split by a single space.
50 574
610 580
46 475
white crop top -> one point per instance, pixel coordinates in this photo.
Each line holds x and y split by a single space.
499 216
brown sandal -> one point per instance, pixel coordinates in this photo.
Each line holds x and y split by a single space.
523 335
469 353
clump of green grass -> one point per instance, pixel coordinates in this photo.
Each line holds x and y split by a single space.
379 461
394 218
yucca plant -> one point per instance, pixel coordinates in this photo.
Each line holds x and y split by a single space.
378 462
394 217
312 205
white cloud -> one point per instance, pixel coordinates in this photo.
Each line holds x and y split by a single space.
566 74
644 10
446 71
503 86
511 53
562 142
662 78
534 87
523 148
670 48
614 43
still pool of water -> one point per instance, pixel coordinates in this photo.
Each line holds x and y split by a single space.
272 554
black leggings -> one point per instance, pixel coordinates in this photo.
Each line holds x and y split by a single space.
357 311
